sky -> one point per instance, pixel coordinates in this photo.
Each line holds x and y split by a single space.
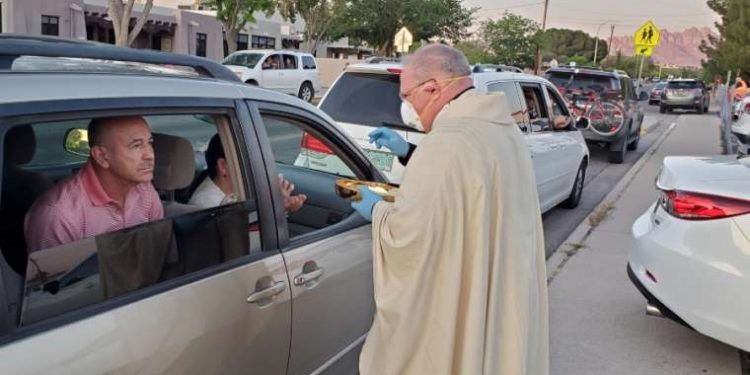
587 15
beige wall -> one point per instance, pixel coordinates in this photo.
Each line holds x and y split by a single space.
330 69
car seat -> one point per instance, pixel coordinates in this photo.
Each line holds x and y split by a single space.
174 170
20 188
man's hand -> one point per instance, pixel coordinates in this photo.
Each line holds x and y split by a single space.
393 141
365 205
291 202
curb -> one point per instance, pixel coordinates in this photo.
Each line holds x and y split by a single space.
577 239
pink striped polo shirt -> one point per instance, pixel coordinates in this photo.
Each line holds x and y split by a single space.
78 207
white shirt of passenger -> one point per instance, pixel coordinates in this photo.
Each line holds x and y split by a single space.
208 195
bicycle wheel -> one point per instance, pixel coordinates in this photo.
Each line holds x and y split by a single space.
606 118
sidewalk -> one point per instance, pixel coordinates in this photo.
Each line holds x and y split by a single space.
597 321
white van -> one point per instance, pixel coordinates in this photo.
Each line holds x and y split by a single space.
290 72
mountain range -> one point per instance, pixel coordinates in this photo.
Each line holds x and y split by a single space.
675 48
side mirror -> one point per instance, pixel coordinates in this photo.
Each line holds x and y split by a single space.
643 96
77 142
583 123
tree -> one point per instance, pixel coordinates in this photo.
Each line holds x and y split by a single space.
120 12
728 51
513 39
235 14
476 52
319 16
377 21
564 42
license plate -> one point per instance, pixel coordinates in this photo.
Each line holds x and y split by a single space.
382 160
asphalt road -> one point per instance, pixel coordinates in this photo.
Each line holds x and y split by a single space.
601 177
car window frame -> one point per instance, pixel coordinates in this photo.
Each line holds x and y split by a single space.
294 58
551 94
525 125
341 144
544 106
249 158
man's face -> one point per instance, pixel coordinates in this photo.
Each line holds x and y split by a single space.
129 152
419 94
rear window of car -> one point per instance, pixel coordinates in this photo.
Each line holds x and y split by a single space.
683 85
365 99
308 63
660 86
583 81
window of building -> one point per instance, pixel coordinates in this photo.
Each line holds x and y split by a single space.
50 25
263 42
115 259
200 44
242 40
309 161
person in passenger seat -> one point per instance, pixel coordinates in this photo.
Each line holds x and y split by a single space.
111 192
216 188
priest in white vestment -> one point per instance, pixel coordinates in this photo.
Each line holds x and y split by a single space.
458 259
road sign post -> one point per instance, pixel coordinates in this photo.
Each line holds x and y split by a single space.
645 39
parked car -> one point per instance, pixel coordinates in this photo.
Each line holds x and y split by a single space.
290 72
690 254
741 126
655 95
366 96
223 290
621 132
685 94
481 68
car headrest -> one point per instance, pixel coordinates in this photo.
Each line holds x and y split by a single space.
175 162
20 145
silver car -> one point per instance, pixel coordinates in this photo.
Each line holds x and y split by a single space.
685 94
244 287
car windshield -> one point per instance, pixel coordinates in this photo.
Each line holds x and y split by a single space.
243 59
365 99
683 85
660 86
582 81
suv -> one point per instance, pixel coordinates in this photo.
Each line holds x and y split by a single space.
366 97
685 94
621 128
221 290
290 72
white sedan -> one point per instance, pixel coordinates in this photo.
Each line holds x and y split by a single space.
692 255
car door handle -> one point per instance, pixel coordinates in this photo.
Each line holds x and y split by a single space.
262 295
304 279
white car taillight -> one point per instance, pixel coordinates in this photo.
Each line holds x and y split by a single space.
311 143
695 206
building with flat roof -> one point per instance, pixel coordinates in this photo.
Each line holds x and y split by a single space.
179 26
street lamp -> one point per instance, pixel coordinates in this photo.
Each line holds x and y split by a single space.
596 41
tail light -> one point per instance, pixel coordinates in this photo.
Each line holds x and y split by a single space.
311 143
747 108
694 206
394 70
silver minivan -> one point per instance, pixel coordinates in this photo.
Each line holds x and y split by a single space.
240 288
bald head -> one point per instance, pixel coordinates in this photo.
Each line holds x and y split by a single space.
100 129
438 61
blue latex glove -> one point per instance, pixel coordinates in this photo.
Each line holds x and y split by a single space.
365 205
393 141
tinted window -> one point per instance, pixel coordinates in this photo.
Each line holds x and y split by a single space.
683 85
290 62
200 44
243 59
50 25
367 99
510 89
582 81
660 86
308 62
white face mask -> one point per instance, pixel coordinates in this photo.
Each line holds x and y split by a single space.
410 117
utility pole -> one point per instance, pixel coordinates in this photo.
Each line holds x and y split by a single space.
539 50
596 43
609 48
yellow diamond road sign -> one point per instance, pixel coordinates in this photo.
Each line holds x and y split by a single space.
644 51
647 35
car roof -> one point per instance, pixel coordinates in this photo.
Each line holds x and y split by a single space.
265 51
23 87
483 77
585 71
